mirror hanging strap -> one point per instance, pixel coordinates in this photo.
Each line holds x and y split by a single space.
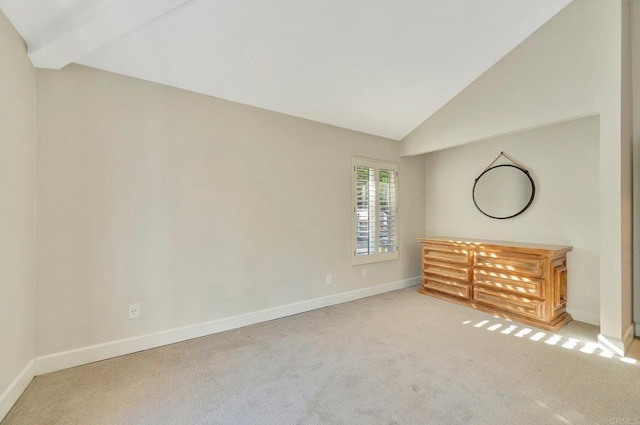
509 158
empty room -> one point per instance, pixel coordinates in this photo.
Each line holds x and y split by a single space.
305 212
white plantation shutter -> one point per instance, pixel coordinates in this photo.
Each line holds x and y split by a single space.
387 210
365 219
375 211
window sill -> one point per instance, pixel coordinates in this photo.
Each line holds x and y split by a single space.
374 258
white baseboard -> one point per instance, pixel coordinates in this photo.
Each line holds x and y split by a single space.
628 337
11 394
618 346
93 353
584 316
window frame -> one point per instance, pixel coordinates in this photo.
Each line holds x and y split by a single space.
377 256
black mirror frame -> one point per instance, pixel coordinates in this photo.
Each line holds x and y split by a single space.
533 190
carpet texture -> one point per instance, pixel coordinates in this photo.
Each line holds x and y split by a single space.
396 358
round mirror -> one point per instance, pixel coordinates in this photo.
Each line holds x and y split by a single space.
503 191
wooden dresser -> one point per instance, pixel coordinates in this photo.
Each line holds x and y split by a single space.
523 282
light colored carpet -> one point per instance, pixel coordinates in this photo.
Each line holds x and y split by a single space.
396 358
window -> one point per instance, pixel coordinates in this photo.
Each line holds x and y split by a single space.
375 211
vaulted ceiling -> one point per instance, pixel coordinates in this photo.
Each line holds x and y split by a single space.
376 66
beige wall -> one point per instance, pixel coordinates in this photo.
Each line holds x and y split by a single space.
196 207
17 203
635 66
626 131
574 66
564 211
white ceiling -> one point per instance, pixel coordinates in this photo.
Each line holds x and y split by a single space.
376 66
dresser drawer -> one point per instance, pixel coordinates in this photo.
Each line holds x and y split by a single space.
447 286
497 261
501 281
434 252
512 303
452 271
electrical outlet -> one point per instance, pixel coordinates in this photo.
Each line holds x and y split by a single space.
134 310
328 279
364 273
